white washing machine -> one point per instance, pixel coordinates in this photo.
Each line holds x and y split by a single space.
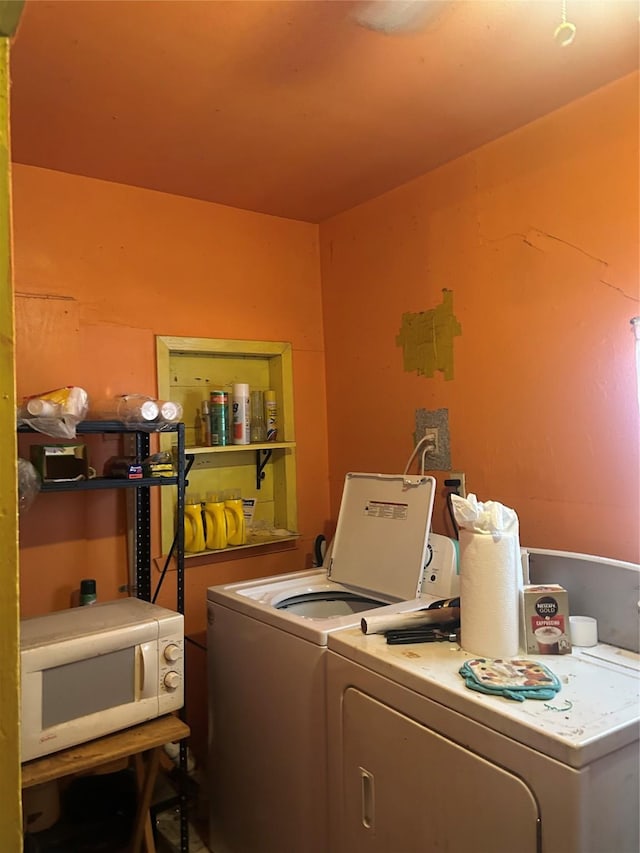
267 642
419 762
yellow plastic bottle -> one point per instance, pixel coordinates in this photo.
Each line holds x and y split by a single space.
216 522
234 512
193 525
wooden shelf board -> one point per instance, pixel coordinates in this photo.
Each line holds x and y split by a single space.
103 750
236 448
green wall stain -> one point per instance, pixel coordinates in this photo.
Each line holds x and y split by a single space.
427 339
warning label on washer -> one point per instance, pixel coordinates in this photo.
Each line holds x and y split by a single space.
386 509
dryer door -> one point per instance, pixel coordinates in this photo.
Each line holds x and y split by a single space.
409 789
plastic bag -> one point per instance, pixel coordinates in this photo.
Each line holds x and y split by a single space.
488 517
159 465
55 413
28 485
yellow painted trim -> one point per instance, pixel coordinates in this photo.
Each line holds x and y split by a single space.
221 346
10 798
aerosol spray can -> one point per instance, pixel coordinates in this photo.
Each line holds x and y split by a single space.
241 412
219 414
271 415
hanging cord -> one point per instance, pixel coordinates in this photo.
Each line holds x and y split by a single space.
165 567
423 440
452 486
450 509
567 29
175 539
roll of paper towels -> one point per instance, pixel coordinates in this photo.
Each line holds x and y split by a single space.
490 577
489 593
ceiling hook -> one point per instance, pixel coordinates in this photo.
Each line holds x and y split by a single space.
571 28
565 27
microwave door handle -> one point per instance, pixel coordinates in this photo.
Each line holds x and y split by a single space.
146 664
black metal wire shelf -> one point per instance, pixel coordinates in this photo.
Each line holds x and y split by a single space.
86 427
142 534
104 483
95 428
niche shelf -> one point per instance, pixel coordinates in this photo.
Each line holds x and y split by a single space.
188 370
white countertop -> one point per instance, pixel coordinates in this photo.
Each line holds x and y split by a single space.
596 711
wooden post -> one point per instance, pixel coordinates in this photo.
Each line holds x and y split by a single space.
11 811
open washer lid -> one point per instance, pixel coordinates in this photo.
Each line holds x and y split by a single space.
380 544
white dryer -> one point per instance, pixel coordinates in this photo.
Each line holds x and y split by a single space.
418 761
267 642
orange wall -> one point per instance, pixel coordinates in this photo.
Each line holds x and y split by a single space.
100 269
536 234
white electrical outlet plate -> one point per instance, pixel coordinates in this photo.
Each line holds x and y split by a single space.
457 475
433 425
431 436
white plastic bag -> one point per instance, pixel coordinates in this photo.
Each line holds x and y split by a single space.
28 485
489 517
55 413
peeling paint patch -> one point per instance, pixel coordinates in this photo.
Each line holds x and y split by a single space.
427 339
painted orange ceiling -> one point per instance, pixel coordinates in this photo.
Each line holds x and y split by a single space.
289 107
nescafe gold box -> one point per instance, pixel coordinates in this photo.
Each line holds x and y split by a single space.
545 620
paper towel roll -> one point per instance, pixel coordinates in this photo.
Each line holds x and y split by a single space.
490 580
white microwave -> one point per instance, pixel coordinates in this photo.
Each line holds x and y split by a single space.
89 671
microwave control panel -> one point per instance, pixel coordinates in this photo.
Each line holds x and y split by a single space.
171 672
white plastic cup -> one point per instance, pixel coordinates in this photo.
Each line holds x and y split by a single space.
584 631
43 408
